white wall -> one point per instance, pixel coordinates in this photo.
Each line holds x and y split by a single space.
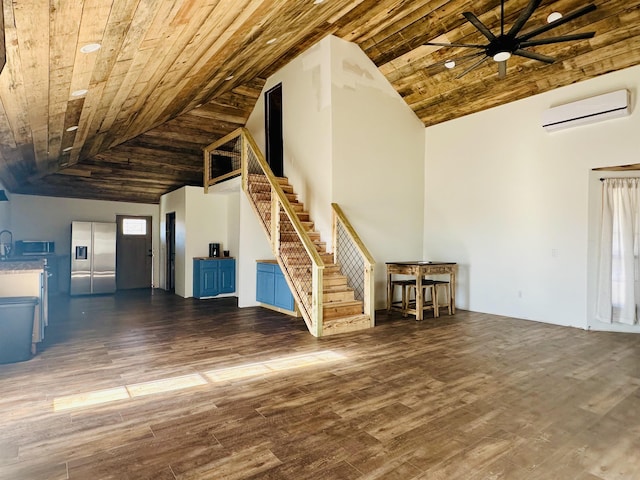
510 202
200 219
49 218
245 240
349 138
253 245
378 160
307 135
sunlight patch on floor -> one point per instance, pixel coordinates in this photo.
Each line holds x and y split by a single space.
182 382
90 398
166 385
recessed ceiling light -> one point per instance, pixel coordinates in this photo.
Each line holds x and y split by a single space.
273 40
71 129
79 93
230 77
450 63
68 149
553 16
90 47
317 2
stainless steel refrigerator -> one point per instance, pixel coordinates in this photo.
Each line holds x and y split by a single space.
93 258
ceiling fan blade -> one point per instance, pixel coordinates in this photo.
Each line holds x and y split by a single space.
564 38
535 56
468 56
502 69
561 21
472 67
524 16
468 45
479 25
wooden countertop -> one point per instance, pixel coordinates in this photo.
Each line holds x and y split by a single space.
267 261
213 258
21 266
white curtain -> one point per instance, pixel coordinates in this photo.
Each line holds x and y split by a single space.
618 286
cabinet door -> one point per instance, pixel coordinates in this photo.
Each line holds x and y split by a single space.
209 279
264 284
227 276
283 297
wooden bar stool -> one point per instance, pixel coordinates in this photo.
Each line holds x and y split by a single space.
427 286
403 304
447 288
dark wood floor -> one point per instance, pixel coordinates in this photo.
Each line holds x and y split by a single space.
471 396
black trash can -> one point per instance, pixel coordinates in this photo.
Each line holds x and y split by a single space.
16 328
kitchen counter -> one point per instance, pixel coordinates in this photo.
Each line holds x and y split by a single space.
213 258
267 261
20 265
27 278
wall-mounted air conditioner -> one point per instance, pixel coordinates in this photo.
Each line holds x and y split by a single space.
590 110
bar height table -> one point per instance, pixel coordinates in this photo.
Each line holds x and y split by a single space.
420 269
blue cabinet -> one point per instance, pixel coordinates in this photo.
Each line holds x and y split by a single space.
213 276
271 287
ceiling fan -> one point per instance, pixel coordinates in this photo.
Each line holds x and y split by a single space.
501 47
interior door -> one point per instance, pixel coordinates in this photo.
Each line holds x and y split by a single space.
134 254
170 230
273 127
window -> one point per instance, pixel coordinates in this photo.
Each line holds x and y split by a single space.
134 226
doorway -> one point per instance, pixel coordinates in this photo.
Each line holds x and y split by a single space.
273 128
134 253
170 231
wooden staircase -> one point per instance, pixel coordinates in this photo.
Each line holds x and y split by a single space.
341 311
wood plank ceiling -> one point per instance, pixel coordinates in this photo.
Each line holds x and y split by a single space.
128 121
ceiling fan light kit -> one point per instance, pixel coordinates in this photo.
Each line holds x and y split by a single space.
508 43
502 56
553 16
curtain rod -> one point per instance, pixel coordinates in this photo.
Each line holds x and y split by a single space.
609 178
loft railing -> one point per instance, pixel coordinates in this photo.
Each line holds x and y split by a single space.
355 261
297 256
222 160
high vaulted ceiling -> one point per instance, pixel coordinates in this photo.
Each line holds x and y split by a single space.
172 76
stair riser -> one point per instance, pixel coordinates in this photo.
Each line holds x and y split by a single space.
264 196
341 296
345 325
331 312
265 187
334 280
257 178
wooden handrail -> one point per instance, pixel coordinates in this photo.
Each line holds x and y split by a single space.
309 292
353 234
312 313
284 201
368 288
